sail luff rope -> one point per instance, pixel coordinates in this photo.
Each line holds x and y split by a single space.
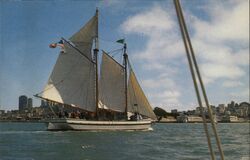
202 86
178 10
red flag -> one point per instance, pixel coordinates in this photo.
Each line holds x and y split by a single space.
52 45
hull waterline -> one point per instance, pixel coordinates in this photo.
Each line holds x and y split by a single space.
84 125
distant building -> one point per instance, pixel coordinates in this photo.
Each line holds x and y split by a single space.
198 110
174 111
244 109
221 108
30 103
23 102
231 105
44 104
2 112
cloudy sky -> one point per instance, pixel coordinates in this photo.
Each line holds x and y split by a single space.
219 32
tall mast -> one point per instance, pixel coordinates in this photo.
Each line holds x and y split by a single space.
125 56
96 50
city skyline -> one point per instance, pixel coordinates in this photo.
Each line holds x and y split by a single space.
219 32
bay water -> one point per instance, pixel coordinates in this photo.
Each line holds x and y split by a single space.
31 141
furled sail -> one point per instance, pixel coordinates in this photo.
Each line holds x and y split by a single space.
137 101
112 89
84 37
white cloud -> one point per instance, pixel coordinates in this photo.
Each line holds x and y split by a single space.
232 84
162 46
162 90
228 22
240 96
220 43
166 99
155 20
216 70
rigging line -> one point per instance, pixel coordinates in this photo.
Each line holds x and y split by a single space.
116 50
51 109
109 41
193 77
79 51
202 86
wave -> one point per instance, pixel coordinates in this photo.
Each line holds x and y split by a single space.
22 132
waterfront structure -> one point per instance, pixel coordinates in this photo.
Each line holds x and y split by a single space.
229 119
189 119
23 102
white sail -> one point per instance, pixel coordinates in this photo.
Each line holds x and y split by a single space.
72 80
112 89
137 101
84 37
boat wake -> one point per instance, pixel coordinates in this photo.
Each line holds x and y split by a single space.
87 146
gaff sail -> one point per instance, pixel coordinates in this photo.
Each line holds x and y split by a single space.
112 89
137 101
72 80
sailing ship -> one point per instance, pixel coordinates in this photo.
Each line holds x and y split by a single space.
110 100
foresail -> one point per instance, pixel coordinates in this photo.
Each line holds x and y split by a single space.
137 101
112 89
83 39
72 80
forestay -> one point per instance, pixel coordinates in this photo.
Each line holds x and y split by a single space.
137 101
112 89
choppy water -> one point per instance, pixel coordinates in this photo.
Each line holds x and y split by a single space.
31 141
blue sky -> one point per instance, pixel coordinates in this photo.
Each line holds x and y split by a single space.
219 31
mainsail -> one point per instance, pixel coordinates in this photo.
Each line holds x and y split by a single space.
137 101
72 80
112 89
